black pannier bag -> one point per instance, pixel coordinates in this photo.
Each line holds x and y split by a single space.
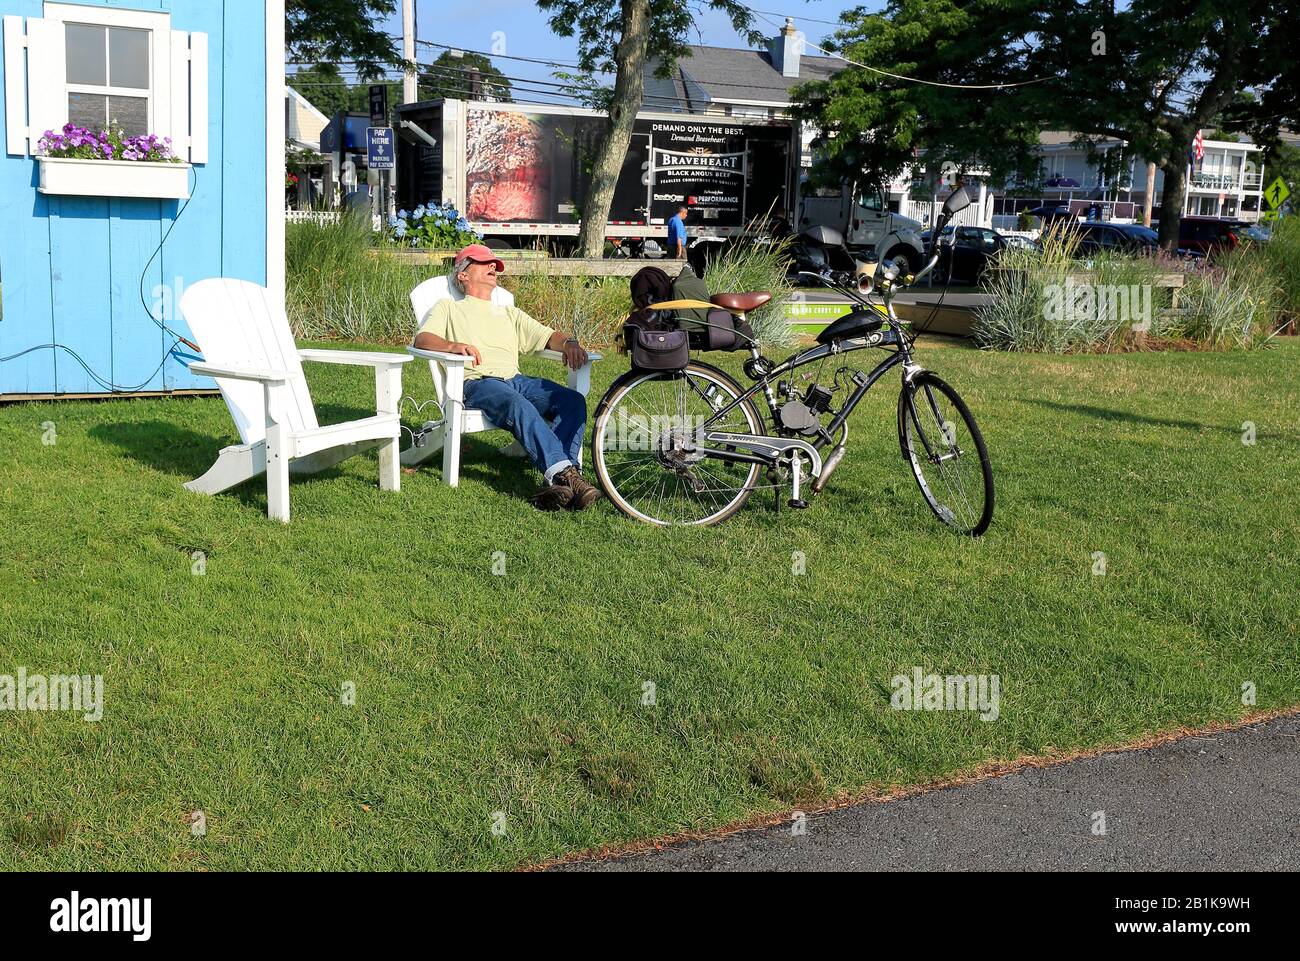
657 349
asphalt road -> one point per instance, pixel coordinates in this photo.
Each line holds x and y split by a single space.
1221 802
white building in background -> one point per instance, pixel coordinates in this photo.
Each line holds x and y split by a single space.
302 122
1227 182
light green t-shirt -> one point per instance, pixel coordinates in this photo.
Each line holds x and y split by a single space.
501 334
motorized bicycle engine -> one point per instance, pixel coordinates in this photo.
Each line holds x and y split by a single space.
803 414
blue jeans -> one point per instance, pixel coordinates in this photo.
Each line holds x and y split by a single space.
521 406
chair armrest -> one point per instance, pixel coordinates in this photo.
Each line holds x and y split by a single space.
359 358
592 357
240 373
441 356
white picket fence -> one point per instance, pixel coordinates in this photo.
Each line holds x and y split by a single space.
972 216
320 217
312 216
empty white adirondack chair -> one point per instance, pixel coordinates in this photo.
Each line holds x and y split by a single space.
247 346
449 386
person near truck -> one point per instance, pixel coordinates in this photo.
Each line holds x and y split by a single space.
677 233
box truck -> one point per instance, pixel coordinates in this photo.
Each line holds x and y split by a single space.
520 172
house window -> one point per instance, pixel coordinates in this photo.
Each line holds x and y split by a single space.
99 65
108 77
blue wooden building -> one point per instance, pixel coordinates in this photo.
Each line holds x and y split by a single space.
85 274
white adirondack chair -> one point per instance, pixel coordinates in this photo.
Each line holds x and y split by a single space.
247 346
449 386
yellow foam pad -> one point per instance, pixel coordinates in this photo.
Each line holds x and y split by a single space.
684 305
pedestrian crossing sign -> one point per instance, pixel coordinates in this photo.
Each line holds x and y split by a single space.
1276 193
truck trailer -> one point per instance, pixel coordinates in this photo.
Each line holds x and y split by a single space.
520 172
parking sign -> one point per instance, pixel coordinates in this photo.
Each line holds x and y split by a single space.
380 149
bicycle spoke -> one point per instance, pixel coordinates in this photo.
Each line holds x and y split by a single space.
674 481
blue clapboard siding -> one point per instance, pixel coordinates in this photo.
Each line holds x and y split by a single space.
71 267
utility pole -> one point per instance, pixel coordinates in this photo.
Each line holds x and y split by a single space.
410 89
1151 188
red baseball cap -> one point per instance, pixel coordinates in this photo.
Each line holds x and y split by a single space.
482 255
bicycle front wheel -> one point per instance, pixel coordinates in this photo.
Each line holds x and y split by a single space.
946 451
649 451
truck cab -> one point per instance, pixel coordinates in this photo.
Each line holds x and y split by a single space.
861 213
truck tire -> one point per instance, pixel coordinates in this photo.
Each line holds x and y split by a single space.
905 257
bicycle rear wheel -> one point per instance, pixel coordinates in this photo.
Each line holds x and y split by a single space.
946 451
650 457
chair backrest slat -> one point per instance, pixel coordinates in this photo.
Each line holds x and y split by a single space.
236 324
435 289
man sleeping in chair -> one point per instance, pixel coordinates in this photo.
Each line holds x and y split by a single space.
495 336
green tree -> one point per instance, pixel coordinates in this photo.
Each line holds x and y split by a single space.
1170 68
346 31
618 37
1151 74
452 77
872 125
324 86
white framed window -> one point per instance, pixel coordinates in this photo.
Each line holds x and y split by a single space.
95 66
115 62
109 78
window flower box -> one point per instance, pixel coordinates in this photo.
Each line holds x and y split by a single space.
77 177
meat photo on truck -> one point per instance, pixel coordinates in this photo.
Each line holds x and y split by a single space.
507 178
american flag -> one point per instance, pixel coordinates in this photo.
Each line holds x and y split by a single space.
1198 146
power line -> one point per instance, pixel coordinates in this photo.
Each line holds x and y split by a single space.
791 16
506 56
573 66
769 88
899 76
489 80
563 88
462 91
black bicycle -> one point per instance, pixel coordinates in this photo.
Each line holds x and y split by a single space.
688 446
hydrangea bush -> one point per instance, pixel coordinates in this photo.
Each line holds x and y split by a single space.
83 144
431 226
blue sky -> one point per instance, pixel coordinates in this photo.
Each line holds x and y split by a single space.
526 33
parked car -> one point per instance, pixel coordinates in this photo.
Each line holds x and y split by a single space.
1097 237
1015 240
1210 235
968 256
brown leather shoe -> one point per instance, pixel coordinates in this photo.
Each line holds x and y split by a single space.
583 493
555 497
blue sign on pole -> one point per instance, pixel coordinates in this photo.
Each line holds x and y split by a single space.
381 153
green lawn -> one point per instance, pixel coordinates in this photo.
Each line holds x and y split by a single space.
523 693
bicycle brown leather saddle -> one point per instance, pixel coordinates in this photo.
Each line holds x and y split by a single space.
748 300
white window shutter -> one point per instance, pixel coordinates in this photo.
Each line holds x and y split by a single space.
15 87
198 98
189 95
179 128
47 77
